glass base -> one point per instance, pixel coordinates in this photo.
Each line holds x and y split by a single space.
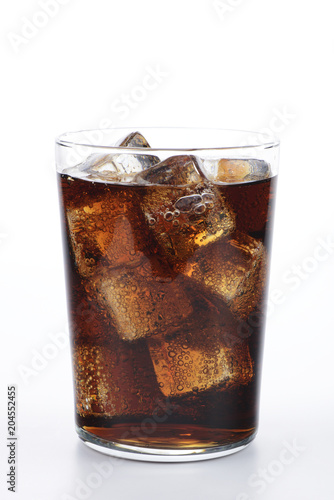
160 455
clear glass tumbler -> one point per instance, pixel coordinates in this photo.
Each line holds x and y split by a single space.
167 254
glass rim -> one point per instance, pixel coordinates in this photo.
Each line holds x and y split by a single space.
268 141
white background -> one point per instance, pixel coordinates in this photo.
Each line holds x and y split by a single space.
249 64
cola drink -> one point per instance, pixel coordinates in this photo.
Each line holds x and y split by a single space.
167 272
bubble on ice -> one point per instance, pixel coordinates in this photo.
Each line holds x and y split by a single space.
102 230
183 210
198 360
140 303
233 269
108 385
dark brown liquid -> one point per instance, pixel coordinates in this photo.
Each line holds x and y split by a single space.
166 302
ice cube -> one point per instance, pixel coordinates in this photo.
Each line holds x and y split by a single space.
99 167
96 163
183 219
116 167
197 360
233 269
229 170
101 230
175 171
142 301
134 140
129 164
114 378
93 163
